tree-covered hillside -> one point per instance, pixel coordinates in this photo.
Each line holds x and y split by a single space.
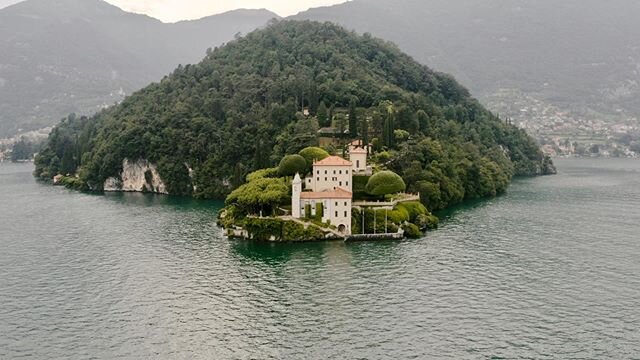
208 125
576 54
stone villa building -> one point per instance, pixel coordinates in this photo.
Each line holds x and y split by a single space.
331 184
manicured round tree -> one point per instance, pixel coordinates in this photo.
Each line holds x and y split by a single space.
385 182
312 154
292 164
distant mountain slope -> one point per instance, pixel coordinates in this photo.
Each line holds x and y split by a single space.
5 3
63 56
572 53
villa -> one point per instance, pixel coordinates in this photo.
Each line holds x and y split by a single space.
328 190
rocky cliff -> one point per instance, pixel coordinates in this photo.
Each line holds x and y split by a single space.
137 176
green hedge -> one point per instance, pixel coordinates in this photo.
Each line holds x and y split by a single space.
264 229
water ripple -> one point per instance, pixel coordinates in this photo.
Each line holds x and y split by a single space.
547 271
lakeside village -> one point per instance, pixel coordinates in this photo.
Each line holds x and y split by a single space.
315 196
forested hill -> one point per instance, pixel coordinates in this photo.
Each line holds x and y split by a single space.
64 56
581 55
240 109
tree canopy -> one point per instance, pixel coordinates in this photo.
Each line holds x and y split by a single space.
241 109
384 183
312 154
261 195
291 165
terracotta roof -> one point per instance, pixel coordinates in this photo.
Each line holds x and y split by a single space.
336 194
333 161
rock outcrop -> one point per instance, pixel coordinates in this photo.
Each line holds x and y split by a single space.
137 176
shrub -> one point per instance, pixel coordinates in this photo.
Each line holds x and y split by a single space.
412 231
292 164
307 211
414 209
385 182
263 229
295 232
427 222
260 195
359 186
71 182
262 174
369 222
398 215
319 210
312 154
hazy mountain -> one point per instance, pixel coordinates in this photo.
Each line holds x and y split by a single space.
64 56
576 54
5 3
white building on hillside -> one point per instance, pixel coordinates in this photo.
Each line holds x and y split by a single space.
330 184
358 154
329 174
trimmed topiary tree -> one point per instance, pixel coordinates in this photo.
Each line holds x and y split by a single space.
319 210
384 183
312 154
307 211
292 164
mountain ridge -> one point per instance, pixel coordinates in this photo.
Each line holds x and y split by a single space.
540 62
78 56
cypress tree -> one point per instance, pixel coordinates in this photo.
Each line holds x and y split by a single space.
332 110
353 119
322 114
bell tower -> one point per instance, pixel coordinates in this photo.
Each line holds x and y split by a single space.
295 197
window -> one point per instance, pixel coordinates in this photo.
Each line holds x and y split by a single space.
336 214
325 179
325 172
340 172
318 171
347 183
334 172
357 164
340 183
336 203
345 203
345 214
318 179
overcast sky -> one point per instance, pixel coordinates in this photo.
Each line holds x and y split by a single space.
174 10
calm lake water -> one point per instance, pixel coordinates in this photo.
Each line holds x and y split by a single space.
550 270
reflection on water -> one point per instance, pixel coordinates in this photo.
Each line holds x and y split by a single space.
548 270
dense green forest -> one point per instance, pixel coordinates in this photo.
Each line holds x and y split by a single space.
208 125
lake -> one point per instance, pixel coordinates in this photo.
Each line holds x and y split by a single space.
549 270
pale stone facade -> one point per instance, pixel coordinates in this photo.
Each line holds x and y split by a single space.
358 154
329 174
329 184
296 205
137 176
